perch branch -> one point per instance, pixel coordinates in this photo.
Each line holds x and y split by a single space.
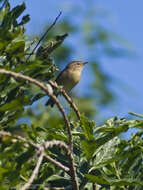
68 98
60 107
43 87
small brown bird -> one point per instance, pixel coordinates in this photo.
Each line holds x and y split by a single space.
69 77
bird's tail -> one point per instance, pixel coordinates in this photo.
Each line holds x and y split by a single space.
50 102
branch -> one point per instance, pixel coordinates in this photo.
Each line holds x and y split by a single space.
94 186
50 27
61 144
37 146
31 43
60 107
73 173
35 172
71 160
58 164
5 2
68 98
45 88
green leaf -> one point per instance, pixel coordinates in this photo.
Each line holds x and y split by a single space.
24 67
16 49
106 154
111 181
125 181
11 17
138 123
89 147
97 179
7 88
25 19
87 127
50 46
18 10
3 12
15 104
136 114
110 135
24 157
3 44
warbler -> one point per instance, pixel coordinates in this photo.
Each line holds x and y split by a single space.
69 77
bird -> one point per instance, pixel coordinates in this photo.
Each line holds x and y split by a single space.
68 78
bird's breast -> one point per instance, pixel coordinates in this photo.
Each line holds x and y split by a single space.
70 79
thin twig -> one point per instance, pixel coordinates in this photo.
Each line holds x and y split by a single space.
3 5
60 107
35 172
94 186
58 164
68 98
44 35
34 40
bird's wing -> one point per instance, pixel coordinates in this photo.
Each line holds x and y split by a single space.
59 77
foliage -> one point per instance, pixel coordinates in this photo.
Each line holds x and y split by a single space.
100 156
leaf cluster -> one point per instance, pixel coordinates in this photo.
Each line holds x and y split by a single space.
100 157
15 48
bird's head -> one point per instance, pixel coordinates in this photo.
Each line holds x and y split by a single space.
76 65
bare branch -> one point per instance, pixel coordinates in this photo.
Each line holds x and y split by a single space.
72 173
58 164
72 104
68 98
94 186
37 146
50 27
61 144
31 44
60 107
45 88
35 172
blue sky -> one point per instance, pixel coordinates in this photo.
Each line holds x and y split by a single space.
124 18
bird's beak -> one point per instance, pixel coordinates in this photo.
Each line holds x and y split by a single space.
85 63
